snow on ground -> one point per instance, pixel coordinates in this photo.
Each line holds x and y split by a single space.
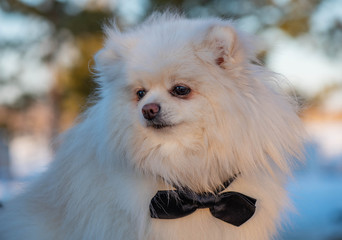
29 156
318 200
316 189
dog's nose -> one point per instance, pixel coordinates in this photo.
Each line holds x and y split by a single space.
150 110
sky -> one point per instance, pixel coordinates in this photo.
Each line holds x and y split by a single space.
305 65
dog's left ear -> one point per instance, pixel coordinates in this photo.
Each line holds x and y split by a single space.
222 46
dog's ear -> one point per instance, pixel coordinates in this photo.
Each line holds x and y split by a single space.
116 48
222 46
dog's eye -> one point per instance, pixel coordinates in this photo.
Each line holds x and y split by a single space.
141 93
180 91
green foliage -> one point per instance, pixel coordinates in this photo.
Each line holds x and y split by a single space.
75 84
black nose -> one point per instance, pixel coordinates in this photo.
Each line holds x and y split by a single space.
150 110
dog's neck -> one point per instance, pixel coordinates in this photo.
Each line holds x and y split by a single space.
218 189
171 186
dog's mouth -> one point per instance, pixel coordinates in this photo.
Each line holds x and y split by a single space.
158 124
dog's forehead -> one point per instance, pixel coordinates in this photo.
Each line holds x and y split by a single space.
167 64
164 71
151 54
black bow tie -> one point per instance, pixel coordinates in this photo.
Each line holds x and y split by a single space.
232 207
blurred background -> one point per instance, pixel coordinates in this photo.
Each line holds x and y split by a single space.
46 50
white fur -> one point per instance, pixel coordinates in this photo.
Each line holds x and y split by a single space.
109 166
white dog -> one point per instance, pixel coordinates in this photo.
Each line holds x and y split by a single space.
181 107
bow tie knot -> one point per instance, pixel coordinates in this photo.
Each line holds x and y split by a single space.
205 200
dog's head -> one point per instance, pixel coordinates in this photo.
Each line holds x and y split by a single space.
185 103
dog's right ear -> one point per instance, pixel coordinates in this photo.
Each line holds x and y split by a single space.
116 48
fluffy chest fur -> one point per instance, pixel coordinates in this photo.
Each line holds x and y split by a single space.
117 207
